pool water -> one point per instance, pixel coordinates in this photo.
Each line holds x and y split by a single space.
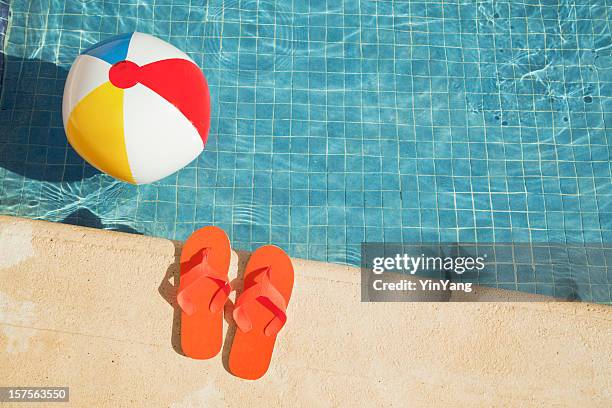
338 122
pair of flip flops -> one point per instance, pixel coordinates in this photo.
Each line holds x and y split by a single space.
259 311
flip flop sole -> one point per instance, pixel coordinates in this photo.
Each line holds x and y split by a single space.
202 332
251 351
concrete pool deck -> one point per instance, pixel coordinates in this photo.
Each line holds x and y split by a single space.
94 310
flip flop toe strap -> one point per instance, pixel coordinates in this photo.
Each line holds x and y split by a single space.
264 292
190 281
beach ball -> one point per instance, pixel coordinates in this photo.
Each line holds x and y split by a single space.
136 107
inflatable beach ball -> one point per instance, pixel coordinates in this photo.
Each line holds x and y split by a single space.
136 107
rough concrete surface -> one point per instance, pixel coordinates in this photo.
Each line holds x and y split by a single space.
94 310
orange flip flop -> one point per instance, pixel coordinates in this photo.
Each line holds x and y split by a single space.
203 291
260 311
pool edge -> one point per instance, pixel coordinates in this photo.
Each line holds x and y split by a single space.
551 347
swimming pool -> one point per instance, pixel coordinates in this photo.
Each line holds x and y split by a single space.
340 122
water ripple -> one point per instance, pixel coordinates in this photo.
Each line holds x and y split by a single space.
249 214
258 37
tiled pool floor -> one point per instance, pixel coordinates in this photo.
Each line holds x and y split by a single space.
337 122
